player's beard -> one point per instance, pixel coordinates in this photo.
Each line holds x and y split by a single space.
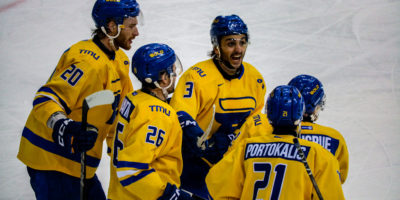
123 42
227 60
171 89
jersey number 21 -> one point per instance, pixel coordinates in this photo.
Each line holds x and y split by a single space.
265 167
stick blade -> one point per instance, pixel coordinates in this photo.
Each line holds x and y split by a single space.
100 98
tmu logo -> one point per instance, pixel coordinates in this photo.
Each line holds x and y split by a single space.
88 52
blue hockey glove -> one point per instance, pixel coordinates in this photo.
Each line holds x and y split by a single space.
66 129
191 133
171 192
217 145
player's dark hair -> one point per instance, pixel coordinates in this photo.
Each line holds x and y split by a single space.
98 33
212 54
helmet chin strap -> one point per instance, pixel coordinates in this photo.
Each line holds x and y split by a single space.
112 37
226 63
164 89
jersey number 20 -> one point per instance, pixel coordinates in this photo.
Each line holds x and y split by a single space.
72 75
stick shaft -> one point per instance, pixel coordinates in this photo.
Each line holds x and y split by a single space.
308 169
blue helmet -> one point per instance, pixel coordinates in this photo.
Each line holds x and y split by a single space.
227 25
285 106
312 91
151 59
105 10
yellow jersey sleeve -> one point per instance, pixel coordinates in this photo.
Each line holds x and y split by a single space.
255 125
146 151
225 179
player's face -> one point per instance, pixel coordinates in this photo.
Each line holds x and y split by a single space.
233 48
173 79
128 33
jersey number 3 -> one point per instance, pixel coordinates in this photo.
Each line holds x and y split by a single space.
280 170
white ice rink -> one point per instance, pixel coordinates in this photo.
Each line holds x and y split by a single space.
352 46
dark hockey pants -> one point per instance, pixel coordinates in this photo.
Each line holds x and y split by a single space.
57 185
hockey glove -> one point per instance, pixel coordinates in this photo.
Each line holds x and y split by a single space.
171 192
191 133
66 130
218 144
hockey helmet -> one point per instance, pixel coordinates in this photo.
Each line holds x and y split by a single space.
117 10
227 25
312 91
152 59
285 106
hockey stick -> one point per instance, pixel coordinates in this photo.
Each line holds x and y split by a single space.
102 97
203 138
194 196
303 159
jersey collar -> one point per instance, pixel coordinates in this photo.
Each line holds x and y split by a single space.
110 54
237 75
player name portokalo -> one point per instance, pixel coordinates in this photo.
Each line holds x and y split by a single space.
274 150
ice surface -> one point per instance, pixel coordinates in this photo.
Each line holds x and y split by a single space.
352 46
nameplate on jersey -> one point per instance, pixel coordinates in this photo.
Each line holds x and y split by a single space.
331 144
126 109
283 150
238 103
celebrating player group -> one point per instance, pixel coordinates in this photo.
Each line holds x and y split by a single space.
213 136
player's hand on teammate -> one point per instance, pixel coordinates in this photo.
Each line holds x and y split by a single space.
171 192
218 144
67 130
191 133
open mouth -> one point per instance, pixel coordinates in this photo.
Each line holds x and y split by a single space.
236 58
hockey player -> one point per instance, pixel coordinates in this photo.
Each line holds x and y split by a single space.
314 96
269 167
52 139
146 155
213 98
